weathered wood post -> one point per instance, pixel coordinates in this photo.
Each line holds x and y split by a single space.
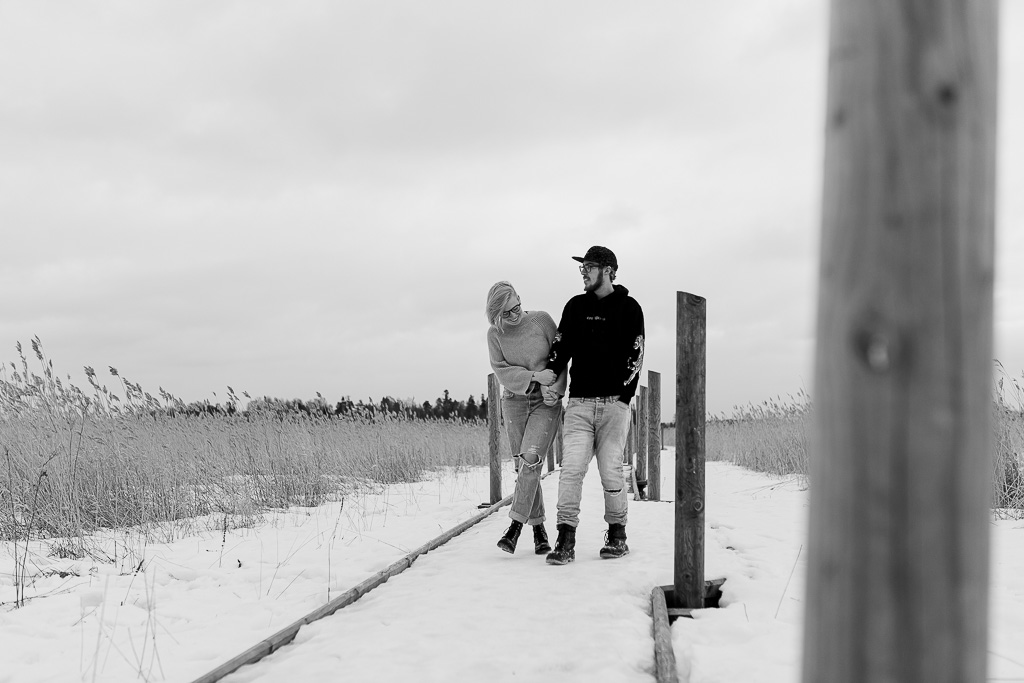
494 434
897 584
555 452
654 435
627 457
642 435
691 333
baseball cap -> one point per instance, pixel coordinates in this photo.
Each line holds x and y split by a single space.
603 256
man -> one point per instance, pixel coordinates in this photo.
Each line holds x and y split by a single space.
602 333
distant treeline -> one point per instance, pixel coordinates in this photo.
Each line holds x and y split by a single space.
443 408
23 391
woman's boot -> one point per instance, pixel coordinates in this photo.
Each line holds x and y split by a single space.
511 537
540 540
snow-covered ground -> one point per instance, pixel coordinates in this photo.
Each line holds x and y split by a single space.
464 612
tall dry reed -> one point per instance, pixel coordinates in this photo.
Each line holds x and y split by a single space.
76 461
774 437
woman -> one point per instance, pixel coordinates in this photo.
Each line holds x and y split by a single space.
518 342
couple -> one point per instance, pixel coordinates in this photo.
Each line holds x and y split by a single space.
602 334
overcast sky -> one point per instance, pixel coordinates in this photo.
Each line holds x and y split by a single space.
315 196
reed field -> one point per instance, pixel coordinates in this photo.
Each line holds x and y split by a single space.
76 461
773 437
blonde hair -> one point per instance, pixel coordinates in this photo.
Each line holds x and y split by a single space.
497 297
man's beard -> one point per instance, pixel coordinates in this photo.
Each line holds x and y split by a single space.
595 283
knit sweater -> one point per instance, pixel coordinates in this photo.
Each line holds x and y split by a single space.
518 351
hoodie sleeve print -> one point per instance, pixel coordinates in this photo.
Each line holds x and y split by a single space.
515 378
561 346
634 351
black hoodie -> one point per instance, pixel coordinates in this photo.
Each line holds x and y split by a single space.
604 338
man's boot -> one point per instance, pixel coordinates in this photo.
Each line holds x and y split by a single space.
565 546
615 542
540 540
511 537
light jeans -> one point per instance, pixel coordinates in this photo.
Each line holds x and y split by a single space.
531 427
593 426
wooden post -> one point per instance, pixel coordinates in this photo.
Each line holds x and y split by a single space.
897 583
555 452
631 437
654 435
494 433
641 440
691 339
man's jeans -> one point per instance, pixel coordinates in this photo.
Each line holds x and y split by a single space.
531 427
593 426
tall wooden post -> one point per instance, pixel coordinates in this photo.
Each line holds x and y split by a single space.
653 435
641 439
494 434
897 584
691 340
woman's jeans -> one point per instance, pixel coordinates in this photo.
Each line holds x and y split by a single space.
531 427
593 426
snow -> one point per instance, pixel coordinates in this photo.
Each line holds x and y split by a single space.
463 612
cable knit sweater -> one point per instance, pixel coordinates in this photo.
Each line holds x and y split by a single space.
520 350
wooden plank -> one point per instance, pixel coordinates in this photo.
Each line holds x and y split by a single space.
897 586
688 575
654 435
665 670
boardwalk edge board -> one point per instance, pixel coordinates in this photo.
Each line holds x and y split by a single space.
664 656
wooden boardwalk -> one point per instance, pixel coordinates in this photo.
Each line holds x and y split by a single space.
606 635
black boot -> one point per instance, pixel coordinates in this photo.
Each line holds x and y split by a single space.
511 537
540 540
615 542
565 546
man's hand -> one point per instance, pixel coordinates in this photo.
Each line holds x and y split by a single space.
544 377
551 397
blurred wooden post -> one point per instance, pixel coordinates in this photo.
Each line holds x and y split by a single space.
691 333
897 576
654 435
494 433
642 436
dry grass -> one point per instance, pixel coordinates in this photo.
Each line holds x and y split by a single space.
74 462
774 437
771 437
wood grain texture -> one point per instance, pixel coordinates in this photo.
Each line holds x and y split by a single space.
691 340
665 670
901 447
654 435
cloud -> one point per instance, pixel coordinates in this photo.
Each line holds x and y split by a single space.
316 196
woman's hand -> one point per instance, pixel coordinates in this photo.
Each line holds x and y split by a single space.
544 377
